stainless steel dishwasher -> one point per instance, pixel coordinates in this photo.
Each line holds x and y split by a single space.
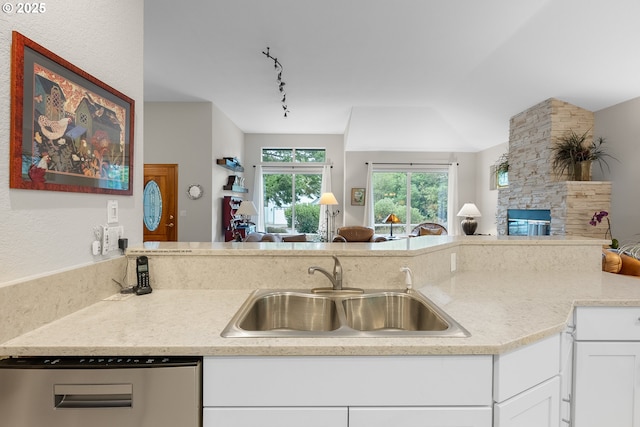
101 392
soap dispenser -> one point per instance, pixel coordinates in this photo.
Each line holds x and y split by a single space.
408 278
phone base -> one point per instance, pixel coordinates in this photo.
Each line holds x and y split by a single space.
142 290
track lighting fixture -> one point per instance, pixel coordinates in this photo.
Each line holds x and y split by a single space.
278 67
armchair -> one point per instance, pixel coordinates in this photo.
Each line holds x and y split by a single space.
428 229
356 233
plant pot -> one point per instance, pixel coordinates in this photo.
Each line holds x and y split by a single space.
582 171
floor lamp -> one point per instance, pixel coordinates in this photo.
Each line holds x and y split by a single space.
328 199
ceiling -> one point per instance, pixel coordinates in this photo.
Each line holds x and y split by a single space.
401 75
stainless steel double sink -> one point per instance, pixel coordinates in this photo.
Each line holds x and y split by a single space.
346 313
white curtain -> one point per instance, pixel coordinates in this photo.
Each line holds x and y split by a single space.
453 225
368 220
258 198
325 187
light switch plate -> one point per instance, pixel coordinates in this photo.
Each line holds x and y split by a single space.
112 211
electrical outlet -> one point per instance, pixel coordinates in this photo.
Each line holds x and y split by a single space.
110 236
105 240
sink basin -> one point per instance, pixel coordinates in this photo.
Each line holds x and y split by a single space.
375 313
391 311
291 311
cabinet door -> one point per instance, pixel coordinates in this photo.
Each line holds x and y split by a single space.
566 373
275 417
607 384
538 406
420 417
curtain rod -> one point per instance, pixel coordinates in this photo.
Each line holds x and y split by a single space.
412 164
288 165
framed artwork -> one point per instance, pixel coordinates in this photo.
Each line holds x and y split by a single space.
357 196
69 130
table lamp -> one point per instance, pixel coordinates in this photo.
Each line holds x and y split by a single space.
246 210
391 219
469 211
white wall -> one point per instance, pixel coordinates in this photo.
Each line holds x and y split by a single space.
180 132
45 231
227 141
487 200
356 174
193 135
620 126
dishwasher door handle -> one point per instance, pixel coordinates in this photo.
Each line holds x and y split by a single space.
93 395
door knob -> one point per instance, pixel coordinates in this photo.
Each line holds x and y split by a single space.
170 216
169 225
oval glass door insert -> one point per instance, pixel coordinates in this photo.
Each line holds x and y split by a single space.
152 202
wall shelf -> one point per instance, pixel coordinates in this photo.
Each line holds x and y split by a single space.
235 188
230 163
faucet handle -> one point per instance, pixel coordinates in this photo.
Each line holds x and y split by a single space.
337 267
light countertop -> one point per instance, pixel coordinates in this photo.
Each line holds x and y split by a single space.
502 311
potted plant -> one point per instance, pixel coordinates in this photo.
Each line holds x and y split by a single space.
573 156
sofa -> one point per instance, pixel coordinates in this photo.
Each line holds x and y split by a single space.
258 236
356 233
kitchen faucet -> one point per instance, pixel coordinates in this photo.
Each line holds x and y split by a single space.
336 278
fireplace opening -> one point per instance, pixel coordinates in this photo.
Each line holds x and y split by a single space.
529 222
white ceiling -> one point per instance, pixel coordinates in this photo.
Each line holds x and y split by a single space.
428 75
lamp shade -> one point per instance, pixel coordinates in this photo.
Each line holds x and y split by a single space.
247 208
391 219
469 210
328 199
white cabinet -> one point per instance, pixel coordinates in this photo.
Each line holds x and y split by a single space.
566 374
527 385
607 384
403 391
538 406
607 367
275 417
420 417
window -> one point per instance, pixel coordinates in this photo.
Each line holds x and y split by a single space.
297 155
292 185
415 196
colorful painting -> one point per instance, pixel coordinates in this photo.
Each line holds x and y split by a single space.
69 131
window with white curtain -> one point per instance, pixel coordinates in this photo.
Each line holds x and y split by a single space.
414 195
292 185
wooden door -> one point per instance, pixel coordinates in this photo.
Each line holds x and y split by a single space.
160 202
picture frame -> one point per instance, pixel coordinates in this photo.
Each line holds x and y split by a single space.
69 131
357 196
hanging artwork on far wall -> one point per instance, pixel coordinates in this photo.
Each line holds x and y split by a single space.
69 130
357 196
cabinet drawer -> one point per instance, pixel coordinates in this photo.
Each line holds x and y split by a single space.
420 417
608 323
275 417
347 381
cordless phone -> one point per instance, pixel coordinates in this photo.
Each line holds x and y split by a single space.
142 270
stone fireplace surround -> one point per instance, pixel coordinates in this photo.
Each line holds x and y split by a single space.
532 182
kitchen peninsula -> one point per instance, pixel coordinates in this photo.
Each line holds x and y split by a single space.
516 297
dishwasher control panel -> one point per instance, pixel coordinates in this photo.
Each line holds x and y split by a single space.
98 362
